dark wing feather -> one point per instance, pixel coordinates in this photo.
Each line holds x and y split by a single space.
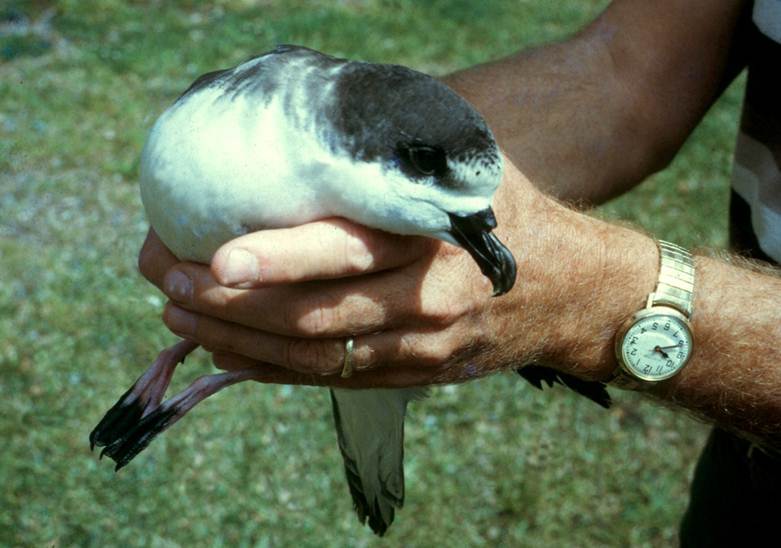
593 390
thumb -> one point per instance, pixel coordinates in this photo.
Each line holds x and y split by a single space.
327 249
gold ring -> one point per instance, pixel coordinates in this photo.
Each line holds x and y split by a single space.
347 365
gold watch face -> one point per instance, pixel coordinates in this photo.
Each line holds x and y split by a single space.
656 345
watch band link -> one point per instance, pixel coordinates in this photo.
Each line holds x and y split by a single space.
675 286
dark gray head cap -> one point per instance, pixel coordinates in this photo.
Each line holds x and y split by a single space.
383 106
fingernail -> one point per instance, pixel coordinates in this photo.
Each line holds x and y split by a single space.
180 321
240 267
178 286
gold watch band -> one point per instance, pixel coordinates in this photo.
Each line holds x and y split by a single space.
675 287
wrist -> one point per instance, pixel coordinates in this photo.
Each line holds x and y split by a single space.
578 284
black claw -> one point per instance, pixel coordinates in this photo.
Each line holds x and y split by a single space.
137 438
117 420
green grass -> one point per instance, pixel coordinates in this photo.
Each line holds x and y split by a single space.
492 461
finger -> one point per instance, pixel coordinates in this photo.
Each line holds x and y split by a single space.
423 350
309 356
335 308
155 259
332 248
401 377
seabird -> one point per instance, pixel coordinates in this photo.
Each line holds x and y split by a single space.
293 136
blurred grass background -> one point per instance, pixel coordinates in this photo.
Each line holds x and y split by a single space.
490 462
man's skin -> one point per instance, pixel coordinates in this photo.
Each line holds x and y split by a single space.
584 120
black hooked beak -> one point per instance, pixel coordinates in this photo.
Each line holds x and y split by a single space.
474 234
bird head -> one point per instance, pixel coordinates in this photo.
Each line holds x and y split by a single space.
436 161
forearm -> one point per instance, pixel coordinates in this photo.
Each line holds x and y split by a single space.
734 377
591 117
586 277
559 113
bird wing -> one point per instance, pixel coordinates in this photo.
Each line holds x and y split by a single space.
593 390
370 430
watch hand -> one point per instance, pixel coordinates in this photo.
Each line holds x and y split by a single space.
661 350
669 347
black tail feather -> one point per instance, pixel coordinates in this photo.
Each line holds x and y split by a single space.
368 512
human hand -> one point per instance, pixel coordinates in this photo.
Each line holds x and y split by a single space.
419 309
319 284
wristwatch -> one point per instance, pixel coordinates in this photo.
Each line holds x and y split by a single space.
656 342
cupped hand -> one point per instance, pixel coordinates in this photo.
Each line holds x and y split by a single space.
286 300
419 310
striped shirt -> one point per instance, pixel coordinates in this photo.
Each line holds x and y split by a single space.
756 179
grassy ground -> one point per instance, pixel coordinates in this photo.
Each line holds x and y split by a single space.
489 462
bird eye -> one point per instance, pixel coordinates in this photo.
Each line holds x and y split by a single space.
427 160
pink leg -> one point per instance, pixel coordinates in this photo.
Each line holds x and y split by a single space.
139 435
136 435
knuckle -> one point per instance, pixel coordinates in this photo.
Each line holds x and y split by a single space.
444 311
365 358
426 351
357 256
215 300
315 317
312 356
438 352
